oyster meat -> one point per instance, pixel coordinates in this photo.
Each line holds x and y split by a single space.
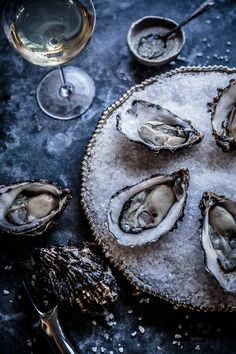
74 276
30 208
223 117
156 127
144 212
218 238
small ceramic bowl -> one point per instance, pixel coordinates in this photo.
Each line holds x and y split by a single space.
155 25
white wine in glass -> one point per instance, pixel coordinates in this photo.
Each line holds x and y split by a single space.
50 33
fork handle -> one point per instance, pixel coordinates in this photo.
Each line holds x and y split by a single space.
51 326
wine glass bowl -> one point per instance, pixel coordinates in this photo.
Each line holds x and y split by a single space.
50 33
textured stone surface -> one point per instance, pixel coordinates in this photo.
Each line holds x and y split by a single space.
33 145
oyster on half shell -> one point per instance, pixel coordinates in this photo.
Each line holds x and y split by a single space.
218 238
30 208
223 117
146 211
156 127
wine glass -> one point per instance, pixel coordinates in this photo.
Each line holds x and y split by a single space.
50 33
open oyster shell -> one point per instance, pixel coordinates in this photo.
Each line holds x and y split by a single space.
74 276
156 127
223 117
146 211
218 238
30 208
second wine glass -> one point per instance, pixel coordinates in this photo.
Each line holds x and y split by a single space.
50 33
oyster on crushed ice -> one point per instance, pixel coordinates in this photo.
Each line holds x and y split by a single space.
30 208
74 276
218 238
157 127
146 211
223 117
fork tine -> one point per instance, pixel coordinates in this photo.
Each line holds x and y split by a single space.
31 298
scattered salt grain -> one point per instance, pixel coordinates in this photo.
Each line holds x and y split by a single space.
208 21
174 342
94 323
34 276
133 334
94 349
227 50
110 352
180 326
178 336
121 350
6 292
106 336
10 301
187 317
197 347
45 303
217 17
8 267
159 348
141 329
199 55
130 311
204 40
103 350
140 318
229 43
19 297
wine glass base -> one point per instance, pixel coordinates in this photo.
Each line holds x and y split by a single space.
56 105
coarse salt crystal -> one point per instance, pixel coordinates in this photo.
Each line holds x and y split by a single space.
103 350
178 336
6 292
94 349
130 311
197 347
133 334
94 323
141 329
121 350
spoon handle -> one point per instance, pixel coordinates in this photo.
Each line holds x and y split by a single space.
207 5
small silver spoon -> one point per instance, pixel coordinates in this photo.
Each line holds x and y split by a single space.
207 5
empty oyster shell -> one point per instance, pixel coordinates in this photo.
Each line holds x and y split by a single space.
30 208
218 238
223 117
156 127
144 212
74 276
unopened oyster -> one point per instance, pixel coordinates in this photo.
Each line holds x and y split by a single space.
30 208
74 276
156 127
144 212
223 117
218 238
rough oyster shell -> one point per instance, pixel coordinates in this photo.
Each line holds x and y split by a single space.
30 208
218 238
74 276
146 211
156 127
223 117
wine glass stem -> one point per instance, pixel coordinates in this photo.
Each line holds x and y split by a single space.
65 89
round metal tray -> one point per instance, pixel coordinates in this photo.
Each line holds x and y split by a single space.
210 299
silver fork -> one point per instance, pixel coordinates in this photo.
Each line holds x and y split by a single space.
50 325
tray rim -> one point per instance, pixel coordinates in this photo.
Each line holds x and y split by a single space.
138 284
